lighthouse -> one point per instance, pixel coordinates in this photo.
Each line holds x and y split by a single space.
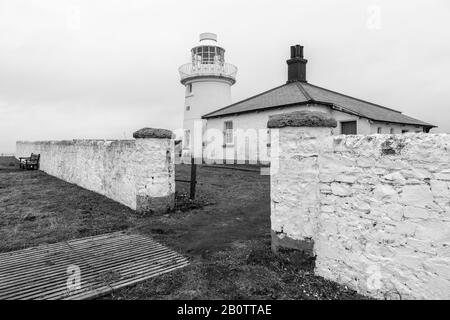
207 80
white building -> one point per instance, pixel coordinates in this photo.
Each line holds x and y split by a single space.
238 132
208 80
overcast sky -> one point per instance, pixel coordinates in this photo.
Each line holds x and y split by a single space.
103 68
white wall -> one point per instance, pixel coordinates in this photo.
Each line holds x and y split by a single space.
258 121
208 94
138 173
377 208
398 128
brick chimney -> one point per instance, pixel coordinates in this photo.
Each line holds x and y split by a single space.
296 65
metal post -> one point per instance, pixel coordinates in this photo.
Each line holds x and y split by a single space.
193 178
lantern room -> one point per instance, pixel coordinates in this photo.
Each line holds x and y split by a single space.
208 52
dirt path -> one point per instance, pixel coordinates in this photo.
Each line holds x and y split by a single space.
238 209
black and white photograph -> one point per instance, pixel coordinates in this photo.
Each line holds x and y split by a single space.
225 155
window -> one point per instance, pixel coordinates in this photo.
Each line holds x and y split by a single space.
405 131
208 55
228 132
188 108
190 88
379 130
348 127
392 131
187 138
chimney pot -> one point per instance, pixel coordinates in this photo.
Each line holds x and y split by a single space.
292 51
296 65
297 51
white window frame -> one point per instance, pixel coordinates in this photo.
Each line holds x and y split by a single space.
228 132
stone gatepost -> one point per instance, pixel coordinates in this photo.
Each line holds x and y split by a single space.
154 170
294 184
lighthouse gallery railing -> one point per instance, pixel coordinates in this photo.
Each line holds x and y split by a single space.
192 70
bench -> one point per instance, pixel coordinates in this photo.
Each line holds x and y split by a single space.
30 163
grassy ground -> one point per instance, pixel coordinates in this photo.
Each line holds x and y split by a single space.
37 208
227 238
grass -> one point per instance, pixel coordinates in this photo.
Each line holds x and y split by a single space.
37 208
225 232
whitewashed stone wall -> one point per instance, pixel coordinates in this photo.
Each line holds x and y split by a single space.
138 173
376 208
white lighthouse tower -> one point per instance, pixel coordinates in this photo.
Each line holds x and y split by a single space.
208 80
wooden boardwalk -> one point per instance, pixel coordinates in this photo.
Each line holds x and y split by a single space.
84 268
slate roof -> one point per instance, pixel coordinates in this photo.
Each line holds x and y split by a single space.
298 93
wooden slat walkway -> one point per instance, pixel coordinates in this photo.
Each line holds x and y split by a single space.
106 262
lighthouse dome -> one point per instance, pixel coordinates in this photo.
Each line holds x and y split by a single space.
208 38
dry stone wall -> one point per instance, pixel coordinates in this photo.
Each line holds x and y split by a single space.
374 210
138 173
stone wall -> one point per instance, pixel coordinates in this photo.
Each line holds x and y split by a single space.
374 211
138 173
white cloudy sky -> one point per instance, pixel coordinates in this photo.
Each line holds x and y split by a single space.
114 70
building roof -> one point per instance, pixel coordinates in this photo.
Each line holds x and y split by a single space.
301 93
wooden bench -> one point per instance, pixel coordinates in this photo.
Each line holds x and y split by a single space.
30 163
